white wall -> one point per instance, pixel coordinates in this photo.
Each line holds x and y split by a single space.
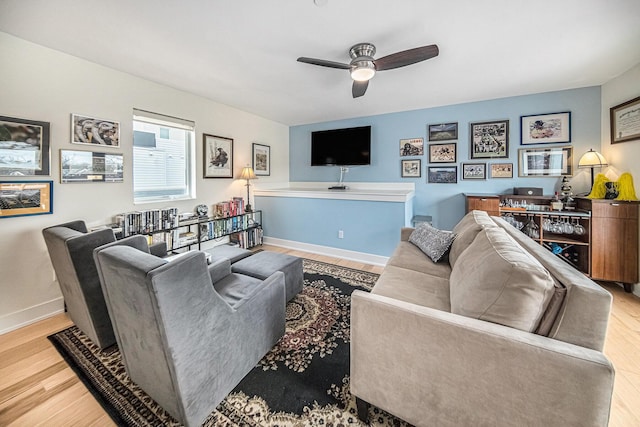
46 85
622 157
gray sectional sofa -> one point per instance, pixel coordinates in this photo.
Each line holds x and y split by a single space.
502 333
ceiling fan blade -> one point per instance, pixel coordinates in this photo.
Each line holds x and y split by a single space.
406 57
324 63
359 88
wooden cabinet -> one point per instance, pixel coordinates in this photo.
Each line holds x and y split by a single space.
483 202
614 240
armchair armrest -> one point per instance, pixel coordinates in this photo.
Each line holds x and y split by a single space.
431 367
158 249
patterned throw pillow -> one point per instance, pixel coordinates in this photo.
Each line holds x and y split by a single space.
433 242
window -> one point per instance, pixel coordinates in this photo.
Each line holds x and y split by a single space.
163 158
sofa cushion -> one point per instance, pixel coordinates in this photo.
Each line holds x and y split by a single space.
413 287
409 256
496 280
466 230
433 242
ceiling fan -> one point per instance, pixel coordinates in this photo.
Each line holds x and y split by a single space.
363 67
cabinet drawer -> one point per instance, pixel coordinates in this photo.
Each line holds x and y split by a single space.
483 203
613 209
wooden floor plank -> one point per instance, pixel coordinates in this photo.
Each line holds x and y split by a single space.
43 391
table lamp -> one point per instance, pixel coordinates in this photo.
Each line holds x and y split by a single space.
592 159
248 174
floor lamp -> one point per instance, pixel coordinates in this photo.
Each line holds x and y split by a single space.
592 159
248 174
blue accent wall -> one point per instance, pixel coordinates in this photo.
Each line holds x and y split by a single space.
372 227
445 202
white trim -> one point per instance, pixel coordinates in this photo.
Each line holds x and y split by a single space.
33 314
328 251
373 191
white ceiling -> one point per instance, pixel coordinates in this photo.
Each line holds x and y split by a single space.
243 53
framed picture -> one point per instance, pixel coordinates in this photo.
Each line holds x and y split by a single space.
261 159
442 153
501 170
24 147
411 147
89 166
550 128
411 168
20 198
474 171
490 140
217 156
94 131
625 121
557 161
442 174
443 132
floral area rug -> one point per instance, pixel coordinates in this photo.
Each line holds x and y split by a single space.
302 381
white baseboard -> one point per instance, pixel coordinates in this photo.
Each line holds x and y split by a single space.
328 251
27 316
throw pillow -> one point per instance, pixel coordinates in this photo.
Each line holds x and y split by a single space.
433 242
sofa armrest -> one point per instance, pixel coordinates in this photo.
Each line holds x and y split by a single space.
431 367
405 232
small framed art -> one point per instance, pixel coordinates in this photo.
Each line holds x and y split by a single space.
550 128
625 121
20 198
443 132
217 156
411 147
24 147
442 153
490 140
90 166
94 131
411 168
474 171
442 174
556 161
261 159
501 170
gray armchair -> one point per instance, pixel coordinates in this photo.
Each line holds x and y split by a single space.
188 333
71 251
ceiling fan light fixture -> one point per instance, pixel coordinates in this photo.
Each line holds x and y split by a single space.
363 71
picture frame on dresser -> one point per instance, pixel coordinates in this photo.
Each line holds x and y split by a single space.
552 128
24 147
217 156
625 121
489 140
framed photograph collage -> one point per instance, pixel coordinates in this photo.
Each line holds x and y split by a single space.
489 149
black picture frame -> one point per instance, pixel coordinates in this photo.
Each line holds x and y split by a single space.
551 128
489 140
442 174
443 153
24 147
474 171
217 156
411 168
443 131
261 159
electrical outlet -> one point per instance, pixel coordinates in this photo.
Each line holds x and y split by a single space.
340 234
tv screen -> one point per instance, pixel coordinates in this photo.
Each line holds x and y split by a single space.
341 147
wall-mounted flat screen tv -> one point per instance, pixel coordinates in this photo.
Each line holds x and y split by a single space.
341 147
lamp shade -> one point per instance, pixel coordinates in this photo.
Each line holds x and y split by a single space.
592 159
247 173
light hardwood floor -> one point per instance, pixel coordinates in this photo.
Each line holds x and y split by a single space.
37 388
